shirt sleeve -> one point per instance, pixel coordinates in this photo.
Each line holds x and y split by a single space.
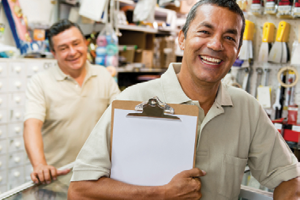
93 160
270 159
35 100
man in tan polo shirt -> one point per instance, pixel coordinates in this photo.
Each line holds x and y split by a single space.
233 129
64 103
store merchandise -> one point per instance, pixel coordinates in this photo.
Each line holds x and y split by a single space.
296 9
267 40
164 51
296 52
271 7
247 47
18 24
279 52
107 47
292 115
93 9
290 90
144 11
30 38
285 8
257 7
243 4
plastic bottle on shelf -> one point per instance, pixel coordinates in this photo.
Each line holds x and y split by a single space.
107 47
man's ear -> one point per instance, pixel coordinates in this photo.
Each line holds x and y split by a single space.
181 40
238 52
54 54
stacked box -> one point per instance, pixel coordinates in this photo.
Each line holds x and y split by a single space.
164 51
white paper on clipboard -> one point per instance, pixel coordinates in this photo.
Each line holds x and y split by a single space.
92 9
151 151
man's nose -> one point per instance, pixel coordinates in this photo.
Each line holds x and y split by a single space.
72 50
216 43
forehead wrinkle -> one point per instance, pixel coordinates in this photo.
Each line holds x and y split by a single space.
206 24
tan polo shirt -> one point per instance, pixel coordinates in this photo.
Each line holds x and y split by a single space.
69 112
234 132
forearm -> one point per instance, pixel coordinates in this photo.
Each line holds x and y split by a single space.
106 189
288 190
34 142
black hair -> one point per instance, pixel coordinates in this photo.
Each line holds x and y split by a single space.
59 27
229 4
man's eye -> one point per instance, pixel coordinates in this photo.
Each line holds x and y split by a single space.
62 49
205 32
230 38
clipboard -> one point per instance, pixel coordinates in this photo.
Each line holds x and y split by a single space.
152 141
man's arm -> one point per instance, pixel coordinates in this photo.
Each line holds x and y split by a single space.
35 150
185 185
288 190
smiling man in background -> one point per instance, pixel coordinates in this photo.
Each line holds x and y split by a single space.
233 129
64 103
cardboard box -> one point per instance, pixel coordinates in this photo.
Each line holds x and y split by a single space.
128 55
144 41
164 49
145 57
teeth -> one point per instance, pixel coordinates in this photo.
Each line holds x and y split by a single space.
215 60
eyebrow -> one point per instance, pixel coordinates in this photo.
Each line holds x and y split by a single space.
206 24
210 26
64 45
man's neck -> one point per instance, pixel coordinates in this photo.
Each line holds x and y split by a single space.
204 93
77 75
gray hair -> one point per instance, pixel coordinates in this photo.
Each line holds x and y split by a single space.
230 4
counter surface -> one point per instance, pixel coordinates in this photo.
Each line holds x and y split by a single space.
58 190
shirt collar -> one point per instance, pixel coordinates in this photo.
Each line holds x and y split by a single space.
175 94
60 75
223 98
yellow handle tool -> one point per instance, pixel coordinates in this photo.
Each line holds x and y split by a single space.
249 30
268 32
283 32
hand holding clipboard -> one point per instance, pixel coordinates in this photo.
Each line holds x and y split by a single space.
150 148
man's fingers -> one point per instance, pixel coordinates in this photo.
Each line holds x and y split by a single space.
47 175
40 176
34 178
53 173
195 172
63 172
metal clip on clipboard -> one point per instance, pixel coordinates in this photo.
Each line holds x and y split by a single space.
154 108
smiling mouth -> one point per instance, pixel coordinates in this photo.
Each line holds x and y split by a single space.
210 60
72 60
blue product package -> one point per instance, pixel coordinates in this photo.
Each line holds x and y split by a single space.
101 51
100 60
111 49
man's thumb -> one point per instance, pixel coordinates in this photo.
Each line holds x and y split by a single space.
63 172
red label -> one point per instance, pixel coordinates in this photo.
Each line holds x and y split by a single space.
285 3
290 135
297 4
256 2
